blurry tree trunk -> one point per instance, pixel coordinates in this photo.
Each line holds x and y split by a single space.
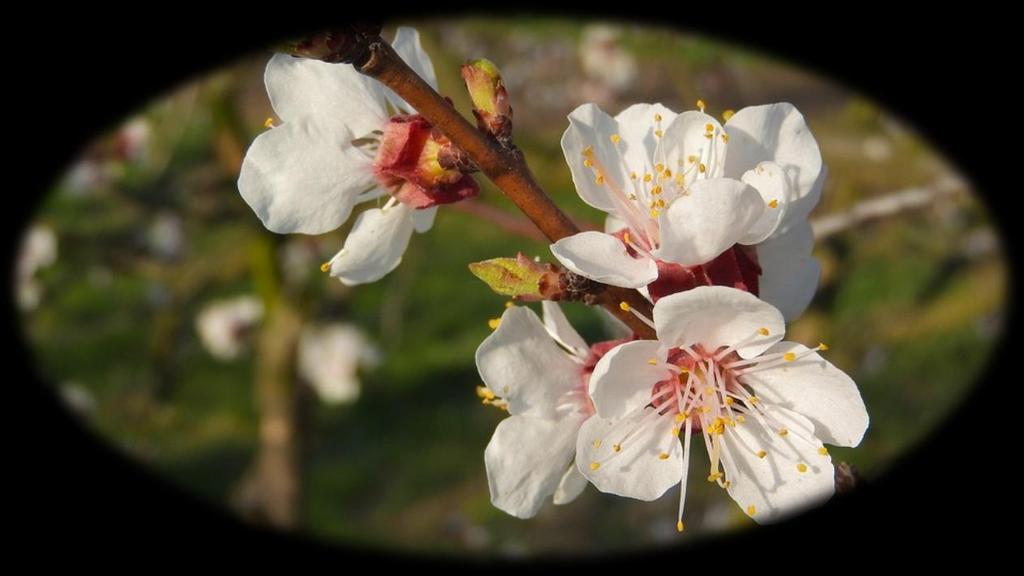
271 490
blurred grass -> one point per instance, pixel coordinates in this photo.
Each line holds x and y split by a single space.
905 313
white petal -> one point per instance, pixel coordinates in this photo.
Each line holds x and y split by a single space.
329 93
816 389
303 177
699 226
637 470
686 137
521 363
778 133
375 245
770 182
407 45
423 220
774 485
789 274
571 485
716 316
623 379
526 460
636 127
603 257
560 328
589 126
613 224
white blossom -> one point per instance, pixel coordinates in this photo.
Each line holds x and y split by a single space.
720 369
38 250
682 189
538 371
329 358
306 174
224 325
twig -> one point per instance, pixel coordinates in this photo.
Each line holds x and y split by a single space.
504 166
888 205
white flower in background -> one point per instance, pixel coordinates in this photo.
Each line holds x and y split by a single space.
539 372
338 146
165 236
330 357
603 59
691 202
224 325
719 369
38 250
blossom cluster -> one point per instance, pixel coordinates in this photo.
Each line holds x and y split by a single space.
708 221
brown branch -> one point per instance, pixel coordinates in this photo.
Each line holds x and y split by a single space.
883 207
504 166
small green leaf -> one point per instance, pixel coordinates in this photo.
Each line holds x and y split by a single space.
518 277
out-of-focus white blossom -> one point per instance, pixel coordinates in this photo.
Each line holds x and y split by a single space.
224 325
38 250
330 357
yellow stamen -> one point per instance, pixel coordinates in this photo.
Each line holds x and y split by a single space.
659 167
679 526
823 451
728 114
783 431
588 163
663 456
509 304
597 443
789 356
616 447
599 179
725 137
709 127
656 190
588 151
702 168
659 133
751 510
268 123
801 467
632 175
484 392
657 117
701 105
741 418
822 346
615 138
647 177
653 361
674 431
729 401
660 203
595 465
325 267
715 476
753 399
667 173
761 454
762 331
494 323
624 306
773 204
654 213
680 417
691 158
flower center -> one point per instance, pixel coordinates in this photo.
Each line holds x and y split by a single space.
640 200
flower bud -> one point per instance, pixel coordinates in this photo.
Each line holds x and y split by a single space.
414 163
490 99
349 43
519 277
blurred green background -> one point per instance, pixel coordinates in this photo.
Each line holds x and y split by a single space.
151 230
